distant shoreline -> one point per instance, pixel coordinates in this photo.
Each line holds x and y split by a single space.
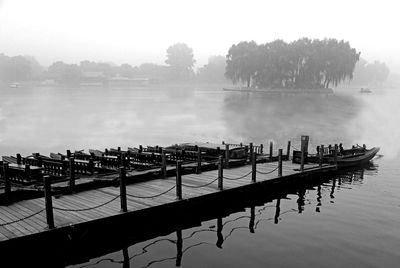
282 90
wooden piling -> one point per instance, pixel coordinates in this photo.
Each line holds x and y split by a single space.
27 171
253 166
220 173
68 153
198 170
48 202
163 164
71 174
179 180
302 158
7 183
270 150
122 189
251 151
252 219
280 163
179 248
19 159
321 155
335 154
91 166
227 155
288 151
261 148
140 149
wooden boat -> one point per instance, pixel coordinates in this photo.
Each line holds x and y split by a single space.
348 158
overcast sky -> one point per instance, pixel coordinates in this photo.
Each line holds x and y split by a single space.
140 31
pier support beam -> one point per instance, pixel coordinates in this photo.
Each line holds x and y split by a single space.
71 174
280 163
220 173
179 180
253 165
250 151
288 151
122 189
48 202
271 148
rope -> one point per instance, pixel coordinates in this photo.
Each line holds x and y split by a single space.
152 196
199 186
84 209
22 219
269 172
234 179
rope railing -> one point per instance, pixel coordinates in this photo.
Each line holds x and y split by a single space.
269 172
238 178
22 219
89 208
152 196
200 186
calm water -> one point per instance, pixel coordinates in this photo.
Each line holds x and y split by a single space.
348 221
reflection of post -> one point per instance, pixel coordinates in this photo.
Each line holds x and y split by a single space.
252 218
362 174
277 210
319 196
179 244
333 188
125 253
300 200
220 238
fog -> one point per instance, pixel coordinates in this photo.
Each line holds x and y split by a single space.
140 31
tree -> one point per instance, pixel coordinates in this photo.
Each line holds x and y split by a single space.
16 68
69 74
242 62
180 60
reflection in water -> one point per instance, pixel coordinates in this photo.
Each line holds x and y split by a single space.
250 220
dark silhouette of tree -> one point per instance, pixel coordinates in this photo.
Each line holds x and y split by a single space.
304 63
242 62
180 60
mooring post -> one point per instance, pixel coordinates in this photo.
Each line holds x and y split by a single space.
252 219
179 180
27 171
223 142
91 166
68 153
122 189
302 158
270 150
71 174
198 170
140 149
179 247
330 149
261 148
321 155
280 163
335 154
253 166
163 164
220 173
19 159
288 151
218 150
227 155
7 183
251 151
48 202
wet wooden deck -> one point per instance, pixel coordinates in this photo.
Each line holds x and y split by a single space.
28 217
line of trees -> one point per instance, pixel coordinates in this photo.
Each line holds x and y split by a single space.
303 63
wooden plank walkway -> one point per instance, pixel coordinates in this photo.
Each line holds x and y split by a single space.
28 217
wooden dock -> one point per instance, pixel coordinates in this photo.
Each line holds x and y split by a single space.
28 217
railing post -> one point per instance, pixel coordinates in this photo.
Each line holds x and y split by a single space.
220 173
163 164
227 155
270 150
253 166
179 180
71 174
198 170
122 189
280 163
48 202
251 151
302 158
7 183
288 151
321 155
335 154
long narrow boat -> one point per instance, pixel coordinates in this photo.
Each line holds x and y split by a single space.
349 158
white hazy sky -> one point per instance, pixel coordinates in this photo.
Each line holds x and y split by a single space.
140 31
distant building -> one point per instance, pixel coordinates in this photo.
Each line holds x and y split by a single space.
120 81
